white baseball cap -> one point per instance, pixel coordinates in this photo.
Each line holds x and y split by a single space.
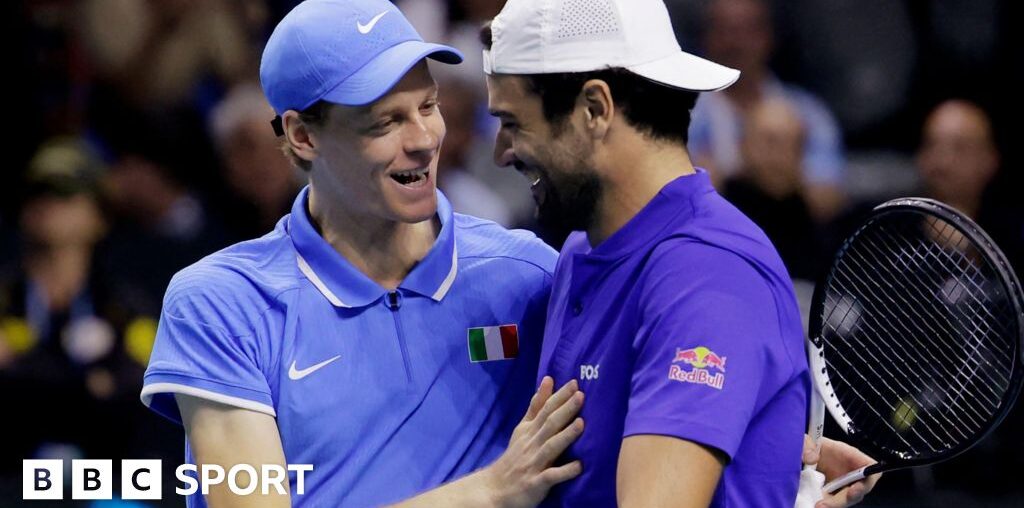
555 36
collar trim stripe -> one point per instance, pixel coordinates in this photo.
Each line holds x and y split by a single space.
308 272
447 284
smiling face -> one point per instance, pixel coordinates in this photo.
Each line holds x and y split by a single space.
380 160
556 159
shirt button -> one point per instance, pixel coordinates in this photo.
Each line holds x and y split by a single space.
577 309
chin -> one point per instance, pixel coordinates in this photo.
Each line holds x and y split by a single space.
410 204
415 211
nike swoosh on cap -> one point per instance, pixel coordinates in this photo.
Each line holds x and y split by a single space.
296 374
365 29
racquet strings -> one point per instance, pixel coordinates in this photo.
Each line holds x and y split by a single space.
919 336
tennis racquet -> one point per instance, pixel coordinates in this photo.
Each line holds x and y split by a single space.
915 339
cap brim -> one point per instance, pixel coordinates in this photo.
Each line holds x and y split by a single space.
688 72
379 75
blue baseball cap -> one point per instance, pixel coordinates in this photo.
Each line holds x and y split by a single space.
348 52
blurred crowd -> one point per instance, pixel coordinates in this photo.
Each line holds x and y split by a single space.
140 141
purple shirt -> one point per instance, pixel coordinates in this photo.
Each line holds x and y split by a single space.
683 323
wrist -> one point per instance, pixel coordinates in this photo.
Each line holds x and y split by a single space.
489 490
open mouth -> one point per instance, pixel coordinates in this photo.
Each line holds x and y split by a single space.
411 177
532 176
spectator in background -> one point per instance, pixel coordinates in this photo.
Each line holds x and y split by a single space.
263 181
163 224
68 350
457 23
770 186
467 194
60 226
958 162
158 53
169 61
739 35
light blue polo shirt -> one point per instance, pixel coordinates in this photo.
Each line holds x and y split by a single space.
376 389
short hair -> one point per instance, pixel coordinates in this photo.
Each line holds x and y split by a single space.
657 110
313 116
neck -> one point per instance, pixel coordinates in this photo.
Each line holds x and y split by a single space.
635 170
384 250
61 272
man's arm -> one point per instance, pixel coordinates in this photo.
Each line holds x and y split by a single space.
666 471
522 476
226 436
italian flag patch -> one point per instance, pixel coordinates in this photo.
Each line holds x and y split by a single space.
488 343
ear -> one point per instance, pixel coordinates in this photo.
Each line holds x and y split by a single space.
598 106
299 136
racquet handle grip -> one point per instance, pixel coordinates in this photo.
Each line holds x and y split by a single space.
846 479
810 492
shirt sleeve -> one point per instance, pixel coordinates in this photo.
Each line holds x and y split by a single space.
205 348
707 321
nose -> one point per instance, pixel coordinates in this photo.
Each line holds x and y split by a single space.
504 155
423 138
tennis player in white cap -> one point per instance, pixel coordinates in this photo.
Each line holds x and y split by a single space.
670 307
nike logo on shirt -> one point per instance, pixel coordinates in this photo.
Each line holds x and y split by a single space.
296 374
365 29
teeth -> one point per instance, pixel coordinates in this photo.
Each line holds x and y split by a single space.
412 173
411 176
535 182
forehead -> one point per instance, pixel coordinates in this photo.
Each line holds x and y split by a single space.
508 94
957 120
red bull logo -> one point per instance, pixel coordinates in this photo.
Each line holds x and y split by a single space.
703 361
700 357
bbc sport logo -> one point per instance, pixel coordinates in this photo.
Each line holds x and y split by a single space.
143 480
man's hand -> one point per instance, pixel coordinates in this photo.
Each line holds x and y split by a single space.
522 476
835 459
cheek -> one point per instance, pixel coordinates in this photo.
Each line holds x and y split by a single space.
931 162
372 158
576 152
548 149
437 126
533 154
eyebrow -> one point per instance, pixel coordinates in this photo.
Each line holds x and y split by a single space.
500 113
375 110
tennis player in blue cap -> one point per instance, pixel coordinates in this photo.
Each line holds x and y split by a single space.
374 334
